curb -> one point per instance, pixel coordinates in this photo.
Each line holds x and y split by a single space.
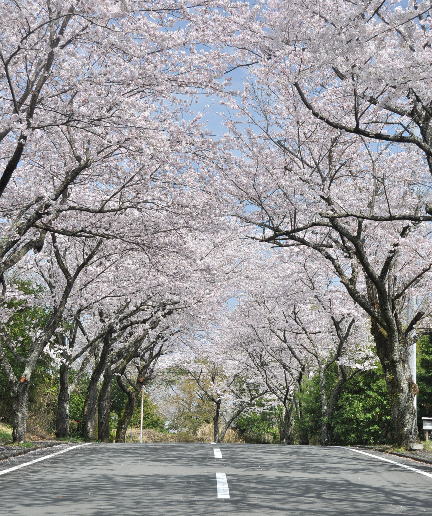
403 455
9 452
412 457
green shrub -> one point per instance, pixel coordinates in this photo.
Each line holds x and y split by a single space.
307 426
424 378
5 433
259 426
151 416
363 412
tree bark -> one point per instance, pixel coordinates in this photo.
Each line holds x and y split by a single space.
104 407
89 420
328 405
20 406
62 416
216 417
126 416
12 163
88 429
325 432
393 352
286 426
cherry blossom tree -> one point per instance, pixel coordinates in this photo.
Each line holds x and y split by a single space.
130 216
19 383
299 324
294 192
280 372
335 158
98 144
221 375
133 377
104 295
359 67
94 109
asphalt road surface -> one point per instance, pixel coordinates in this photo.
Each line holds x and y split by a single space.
204 480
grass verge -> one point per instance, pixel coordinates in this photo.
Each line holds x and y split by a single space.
5 433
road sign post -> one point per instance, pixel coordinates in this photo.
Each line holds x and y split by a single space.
427 426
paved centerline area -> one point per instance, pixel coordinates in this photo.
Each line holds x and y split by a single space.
217 453
222 485
179 479
221 478
153 479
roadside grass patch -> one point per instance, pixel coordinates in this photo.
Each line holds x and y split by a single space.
400 449
5 433
427 445
23 445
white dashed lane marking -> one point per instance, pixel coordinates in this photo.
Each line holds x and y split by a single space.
217 453
222 485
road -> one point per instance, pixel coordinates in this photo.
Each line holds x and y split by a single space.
181 479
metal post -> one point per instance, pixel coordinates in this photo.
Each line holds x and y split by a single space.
142 413
413 366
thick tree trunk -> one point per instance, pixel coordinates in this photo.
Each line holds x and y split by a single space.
126 416
104 407
393 353
216 418
88 429
62 416
89 420
402 391
332 404
20 406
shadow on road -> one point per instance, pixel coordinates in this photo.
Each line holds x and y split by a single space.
180 480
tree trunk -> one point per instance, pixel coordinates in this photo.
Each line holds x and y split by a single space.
328 405
286 426
402 391
88 428
89 420
216 437
393 352
325 432
126 416
62 416
104 407
303 436
20 406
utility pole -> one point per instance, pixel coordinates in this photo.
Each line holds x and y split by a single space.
142 413
413 366
140 381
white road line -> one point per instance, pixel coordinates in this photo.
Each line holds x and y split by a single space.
3 472
392 462
222 485
217 453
